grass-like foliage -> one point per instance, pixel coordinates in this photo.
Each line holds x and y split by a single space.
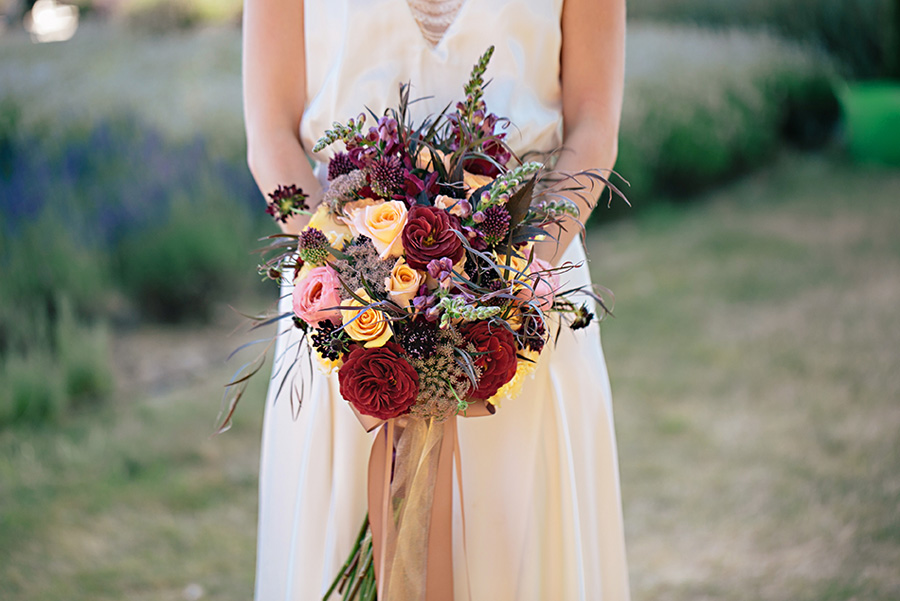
57 361
863 34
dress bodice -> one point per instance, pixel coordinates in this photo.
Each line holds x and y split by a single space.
434 17
358 52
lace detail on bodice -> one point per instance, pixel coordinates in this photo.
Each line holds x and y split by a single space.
434 17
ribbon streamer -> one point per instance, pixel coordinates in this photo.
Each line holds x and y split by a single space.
411 495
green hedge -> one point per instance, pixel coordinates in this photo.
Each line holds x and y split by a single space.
863 34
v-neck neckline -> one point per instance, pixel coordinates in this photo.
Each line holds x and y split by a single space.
449 32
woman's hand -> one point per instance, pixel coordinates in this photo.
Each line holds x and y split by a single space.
592 75
274 81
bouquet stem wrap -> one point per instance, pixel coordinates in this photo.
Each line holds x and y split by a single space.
410 508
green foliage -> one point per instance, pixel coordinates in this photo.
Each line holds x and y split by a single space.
703 106
163 16
32 391
863 34
59 362
83 358
872 111
43 260
186 266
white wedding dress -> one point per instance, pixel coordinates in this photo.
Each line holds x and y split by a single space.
540 478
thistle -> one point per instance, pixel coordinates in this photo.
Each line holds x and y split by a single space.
386 176
285 202
495 224
340 164
313 246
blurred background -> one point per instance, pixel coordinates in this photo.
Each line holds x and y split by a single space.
753 352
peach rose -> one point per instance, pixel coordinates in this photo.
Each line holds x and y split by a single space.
472 182
403 283
370 327
424 161
315 296
457 206
383 224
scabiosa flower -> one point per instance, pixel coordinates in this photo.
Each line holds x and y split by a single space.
583 318
386 176
329 341
419 338
285 202
495 225
313 246
340 164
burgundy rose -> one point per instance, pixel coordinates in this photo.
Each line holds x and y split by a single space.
379 381
429 235
496 356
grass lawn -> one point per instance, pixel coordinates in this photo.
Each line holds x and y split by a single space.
755 376
756 385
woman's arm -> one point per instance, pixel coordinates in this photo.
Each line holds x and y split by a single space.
592 65
274 77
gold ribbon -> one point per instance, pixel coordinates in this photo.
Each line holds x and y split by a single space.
410 498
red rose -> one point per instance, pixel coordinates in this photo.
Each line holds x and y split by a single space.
429 235
496 356
379 381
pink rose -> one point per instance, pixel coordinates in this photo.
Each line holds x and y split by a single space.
316 296
545 284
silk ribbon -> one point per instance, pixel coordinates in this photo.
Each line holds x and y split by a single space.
410 498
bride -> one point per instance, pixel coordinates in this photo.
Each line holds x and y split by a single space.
543 516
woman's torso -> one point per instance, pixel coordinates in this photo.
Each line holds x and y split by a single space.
358 52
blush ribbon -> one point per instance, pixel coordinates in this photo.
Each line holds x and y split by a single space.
410 498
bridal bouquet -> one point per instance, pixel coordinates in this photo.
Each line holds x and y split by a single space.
416 280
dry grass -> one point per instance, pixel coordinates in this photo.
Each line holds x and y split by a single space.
755 376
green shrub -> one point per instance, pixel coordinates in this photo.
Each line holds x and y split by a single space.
702 106
43 260
83 357
188 265
32 391
161 16
60 362
863 34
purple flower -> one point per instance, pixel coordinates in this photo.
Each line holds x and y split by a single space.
440 269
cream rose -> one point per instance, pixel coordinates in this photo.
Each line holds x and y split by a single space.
382 223
403 283
323 220
370 327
